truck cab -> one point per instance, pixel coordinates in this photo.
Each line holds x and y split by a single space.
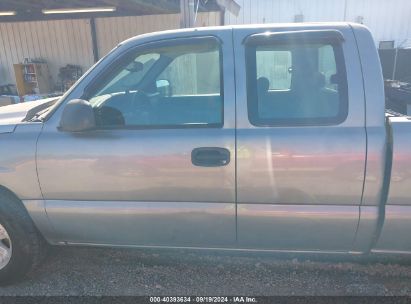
263 137
259 134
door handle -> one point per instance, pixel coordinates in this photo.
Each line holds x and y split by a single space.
210 157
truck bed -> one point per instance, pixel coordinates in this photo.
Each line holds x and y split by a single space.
396 229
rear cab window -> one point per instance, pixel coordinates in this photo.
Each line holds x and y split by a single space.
299 80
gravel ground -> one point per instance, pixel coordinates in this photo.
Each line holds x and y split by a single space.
97 271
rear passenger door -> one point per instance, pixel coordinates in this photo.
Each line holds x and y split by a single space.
300 138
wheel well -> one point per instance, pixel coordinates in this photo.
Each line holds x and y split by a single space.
10 193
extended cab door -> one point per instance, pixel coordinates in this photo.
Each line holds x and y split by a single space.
301 141
159 169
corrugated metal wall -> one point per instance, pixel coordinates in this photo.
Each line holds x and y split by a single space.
57 41
62 42
387 19
111 31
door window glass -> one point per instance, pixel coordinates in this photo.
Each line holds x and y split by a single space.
177 85
205 67
296 84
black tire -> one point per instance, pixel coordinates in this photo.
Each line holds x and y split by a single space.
28 246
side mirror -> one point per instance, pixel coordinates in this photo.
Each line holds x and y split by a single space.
78 115
163 87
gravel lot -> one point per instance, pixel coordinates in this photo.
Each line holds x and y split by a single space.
85 271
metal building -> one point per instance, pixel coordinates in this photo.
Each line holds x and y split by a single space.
27 32
388 20
81 39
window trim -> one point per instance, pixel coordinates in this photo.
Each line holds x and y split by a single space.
107 71
328 37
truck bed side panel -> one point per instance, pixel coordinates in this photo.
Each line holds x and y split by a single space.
395 234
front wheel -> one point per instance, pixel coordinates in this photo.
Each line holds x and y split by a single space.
6 248
21 245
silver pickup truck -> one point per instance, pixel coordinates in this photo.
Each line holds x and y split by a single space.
268 137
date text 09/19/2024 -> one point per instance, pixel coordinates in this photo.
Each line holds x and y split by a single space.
203 299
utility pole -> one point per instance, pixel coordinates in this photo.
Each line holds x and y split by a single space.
187 13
